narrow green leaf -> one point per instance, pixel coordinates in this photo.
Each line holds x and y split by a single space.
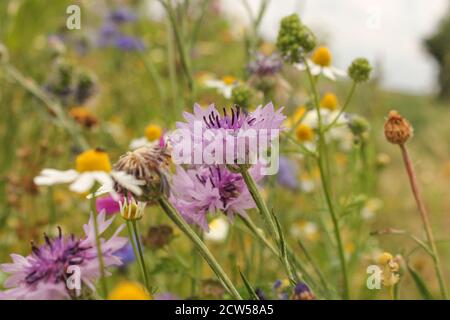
248 286
420 284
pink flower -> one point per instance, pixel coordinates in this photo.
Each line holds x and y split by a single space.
201 190
108 204
43 273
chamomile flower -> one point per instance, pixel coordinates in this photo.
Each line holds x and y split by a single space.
153 134
307 229
218 230
320 63
329 101
370 208
224 86
91 167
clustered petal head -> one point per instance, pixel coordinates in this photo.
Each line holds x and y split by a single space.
43 273
397 129
209 189
148 164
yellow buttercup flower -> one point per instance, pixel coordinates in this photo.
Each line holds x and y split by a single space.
322 57
329 101
127 290
153 132
304 133
93 160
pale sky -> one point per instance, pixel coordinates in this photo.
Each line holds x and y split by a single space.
388 32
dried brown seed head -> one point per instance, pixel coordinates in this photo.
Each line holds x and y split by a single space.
397 129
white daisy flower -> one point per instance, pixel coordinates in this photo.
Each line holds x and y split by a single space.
320 63
218 230
92 166
224 86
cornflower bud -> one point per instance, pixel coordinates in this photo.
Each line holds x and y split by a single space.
397 129
360 70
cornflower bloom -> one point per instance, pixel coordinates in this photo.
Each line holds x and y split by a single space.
44 274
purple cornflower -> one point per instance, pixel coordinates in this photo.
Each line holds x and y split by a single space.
107 35
126 255
129 43
302 292
287 174
166 296
263 65
122 15
43 273
208 189
213 130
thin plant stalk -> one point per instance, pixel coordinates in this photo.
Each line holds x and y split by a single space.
55 108
173 214
140 255
101 263
262 207
425 218
322 164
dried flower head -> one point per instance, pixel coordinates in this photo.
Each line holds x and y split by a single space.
158 236
397 129
148 164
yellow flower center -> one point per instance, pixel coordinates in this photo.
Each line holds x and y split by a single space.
322 57
304 133
93 160
229 80
329 101
384 258
153 132
127 290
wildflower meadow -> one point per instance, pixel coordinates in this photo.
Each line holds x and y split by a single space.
165 150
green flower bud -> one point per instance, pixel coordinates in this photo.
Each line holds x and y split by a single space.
241 96
359 125
294 39
360 70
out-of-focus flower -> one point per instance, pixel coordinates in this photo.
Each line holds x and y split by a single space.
391 267
218 230
302 292
92 166
149 165
83 116
296 117
305 229
304 133
127 290
320 63
129 43
224 86
202 190
122 15
287 174
262 65
212 289
126 255
329 101
281 289
153 135
370 208
383 160
108 203
158 236
43 273
166 296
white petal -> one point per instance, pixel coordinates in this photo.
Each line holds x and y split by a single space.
300 66
213 83
52 176
327 72
227 91
139 142
338 72
315 69
83 183
128 181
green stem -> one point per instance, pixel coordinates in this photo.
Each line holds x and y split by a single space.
262 207
197 266
30 85
322 163
101 263
201 247
347 102
141 255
